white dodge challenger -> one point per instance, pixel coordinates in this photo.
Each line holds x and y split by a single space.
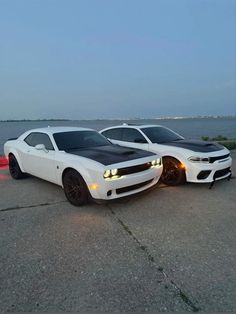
183 160
83 162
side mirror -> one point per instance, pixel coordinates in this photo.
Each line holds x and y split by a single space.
41 147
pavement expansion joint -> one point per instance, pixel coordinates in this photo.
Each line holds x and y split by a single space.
30 206
151 258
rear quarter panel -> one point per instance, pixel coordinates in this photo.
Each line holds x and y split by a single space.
13 147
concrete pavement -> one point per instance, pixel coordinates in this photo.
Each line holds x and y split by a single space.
168 249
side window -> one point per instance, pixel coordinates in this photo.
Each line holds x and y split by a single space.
113 134
36 138
132 135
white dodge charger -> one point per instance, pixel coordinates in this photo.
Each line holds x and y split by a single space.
183 160
83 162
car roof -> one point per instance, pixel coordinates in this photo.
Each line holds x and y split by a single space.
58 129
137 126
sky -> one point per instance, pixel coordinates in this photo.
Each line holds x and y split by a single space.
95 59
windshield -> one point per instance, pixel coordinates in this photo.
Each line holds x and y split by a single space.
79 139
161 135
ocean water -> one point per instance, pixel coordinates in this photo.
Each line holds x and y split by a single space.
189 128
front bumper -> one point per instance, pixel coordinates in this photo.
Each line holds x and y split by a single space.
208 172
107 189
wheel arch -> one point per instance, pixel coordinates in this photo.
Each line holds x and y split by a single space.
183 168
180 160
16 155
177 157
80 185
81 173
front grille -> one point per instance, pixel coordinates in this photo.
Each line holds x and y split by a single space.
132 187
221 173
213 159
134 169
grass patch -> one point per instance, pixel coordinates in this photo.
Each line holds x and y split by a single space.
230 144
223 140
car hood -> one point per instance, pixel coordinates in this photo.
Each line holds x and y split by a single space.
110 154
196 146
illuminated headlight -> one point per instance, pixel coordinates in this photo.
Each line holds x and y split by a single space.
198 159
110 173
114 172
156 162
107 173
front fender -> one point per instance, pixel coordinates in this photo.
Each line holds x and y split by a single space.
174 155
90 172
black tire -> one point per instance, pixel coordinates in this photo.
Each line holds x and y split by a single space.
173 172
14 168
75 188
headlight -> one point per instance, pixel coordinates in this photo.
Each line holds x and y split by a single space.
156 162
110 173
107 173
198 159
114 172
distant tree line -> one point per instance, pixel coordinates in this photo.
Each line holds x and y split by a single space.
33 120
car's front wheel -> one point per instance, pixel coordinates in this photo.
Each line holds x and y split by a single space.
14 168
75 188
173 172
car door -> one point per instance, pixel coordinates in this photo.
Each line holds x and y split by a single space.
39 162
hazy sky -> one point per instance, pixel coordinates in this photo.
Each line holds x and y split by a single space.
117 58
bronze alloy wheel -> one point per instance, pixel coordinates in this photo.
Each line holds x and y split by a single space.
173 172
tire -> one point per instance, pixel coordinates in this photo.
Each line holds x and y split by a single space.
75 188
14 168
173 172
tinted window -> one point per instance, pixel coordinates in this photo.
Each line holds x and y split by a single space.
161 135
36 138
132 135
115 134
79 139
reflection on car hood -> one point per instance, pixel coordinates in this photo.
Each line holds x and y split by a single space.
196 146
110 154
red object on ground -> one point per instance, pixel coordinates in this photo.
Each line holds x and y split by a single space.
3 162
4 177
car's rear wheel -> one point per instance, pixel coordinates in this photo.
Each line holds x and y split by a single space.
75 188
173 172
14 168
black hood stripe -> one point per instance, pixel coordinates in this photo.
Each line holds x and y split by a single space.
111 154
196 146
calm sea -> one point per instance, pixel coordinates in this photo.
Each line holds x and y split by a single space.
189 128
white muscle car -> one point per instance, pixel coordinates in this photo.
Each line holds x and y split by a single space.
83 162
183 160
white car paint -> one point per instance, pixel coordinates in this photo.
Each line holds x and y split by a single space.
192 169
50 165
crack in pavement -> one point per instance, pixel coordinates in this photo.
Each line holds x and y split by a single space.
30 206
151 258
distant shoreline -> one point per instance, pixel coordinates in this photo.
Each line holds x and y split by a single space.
121 119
